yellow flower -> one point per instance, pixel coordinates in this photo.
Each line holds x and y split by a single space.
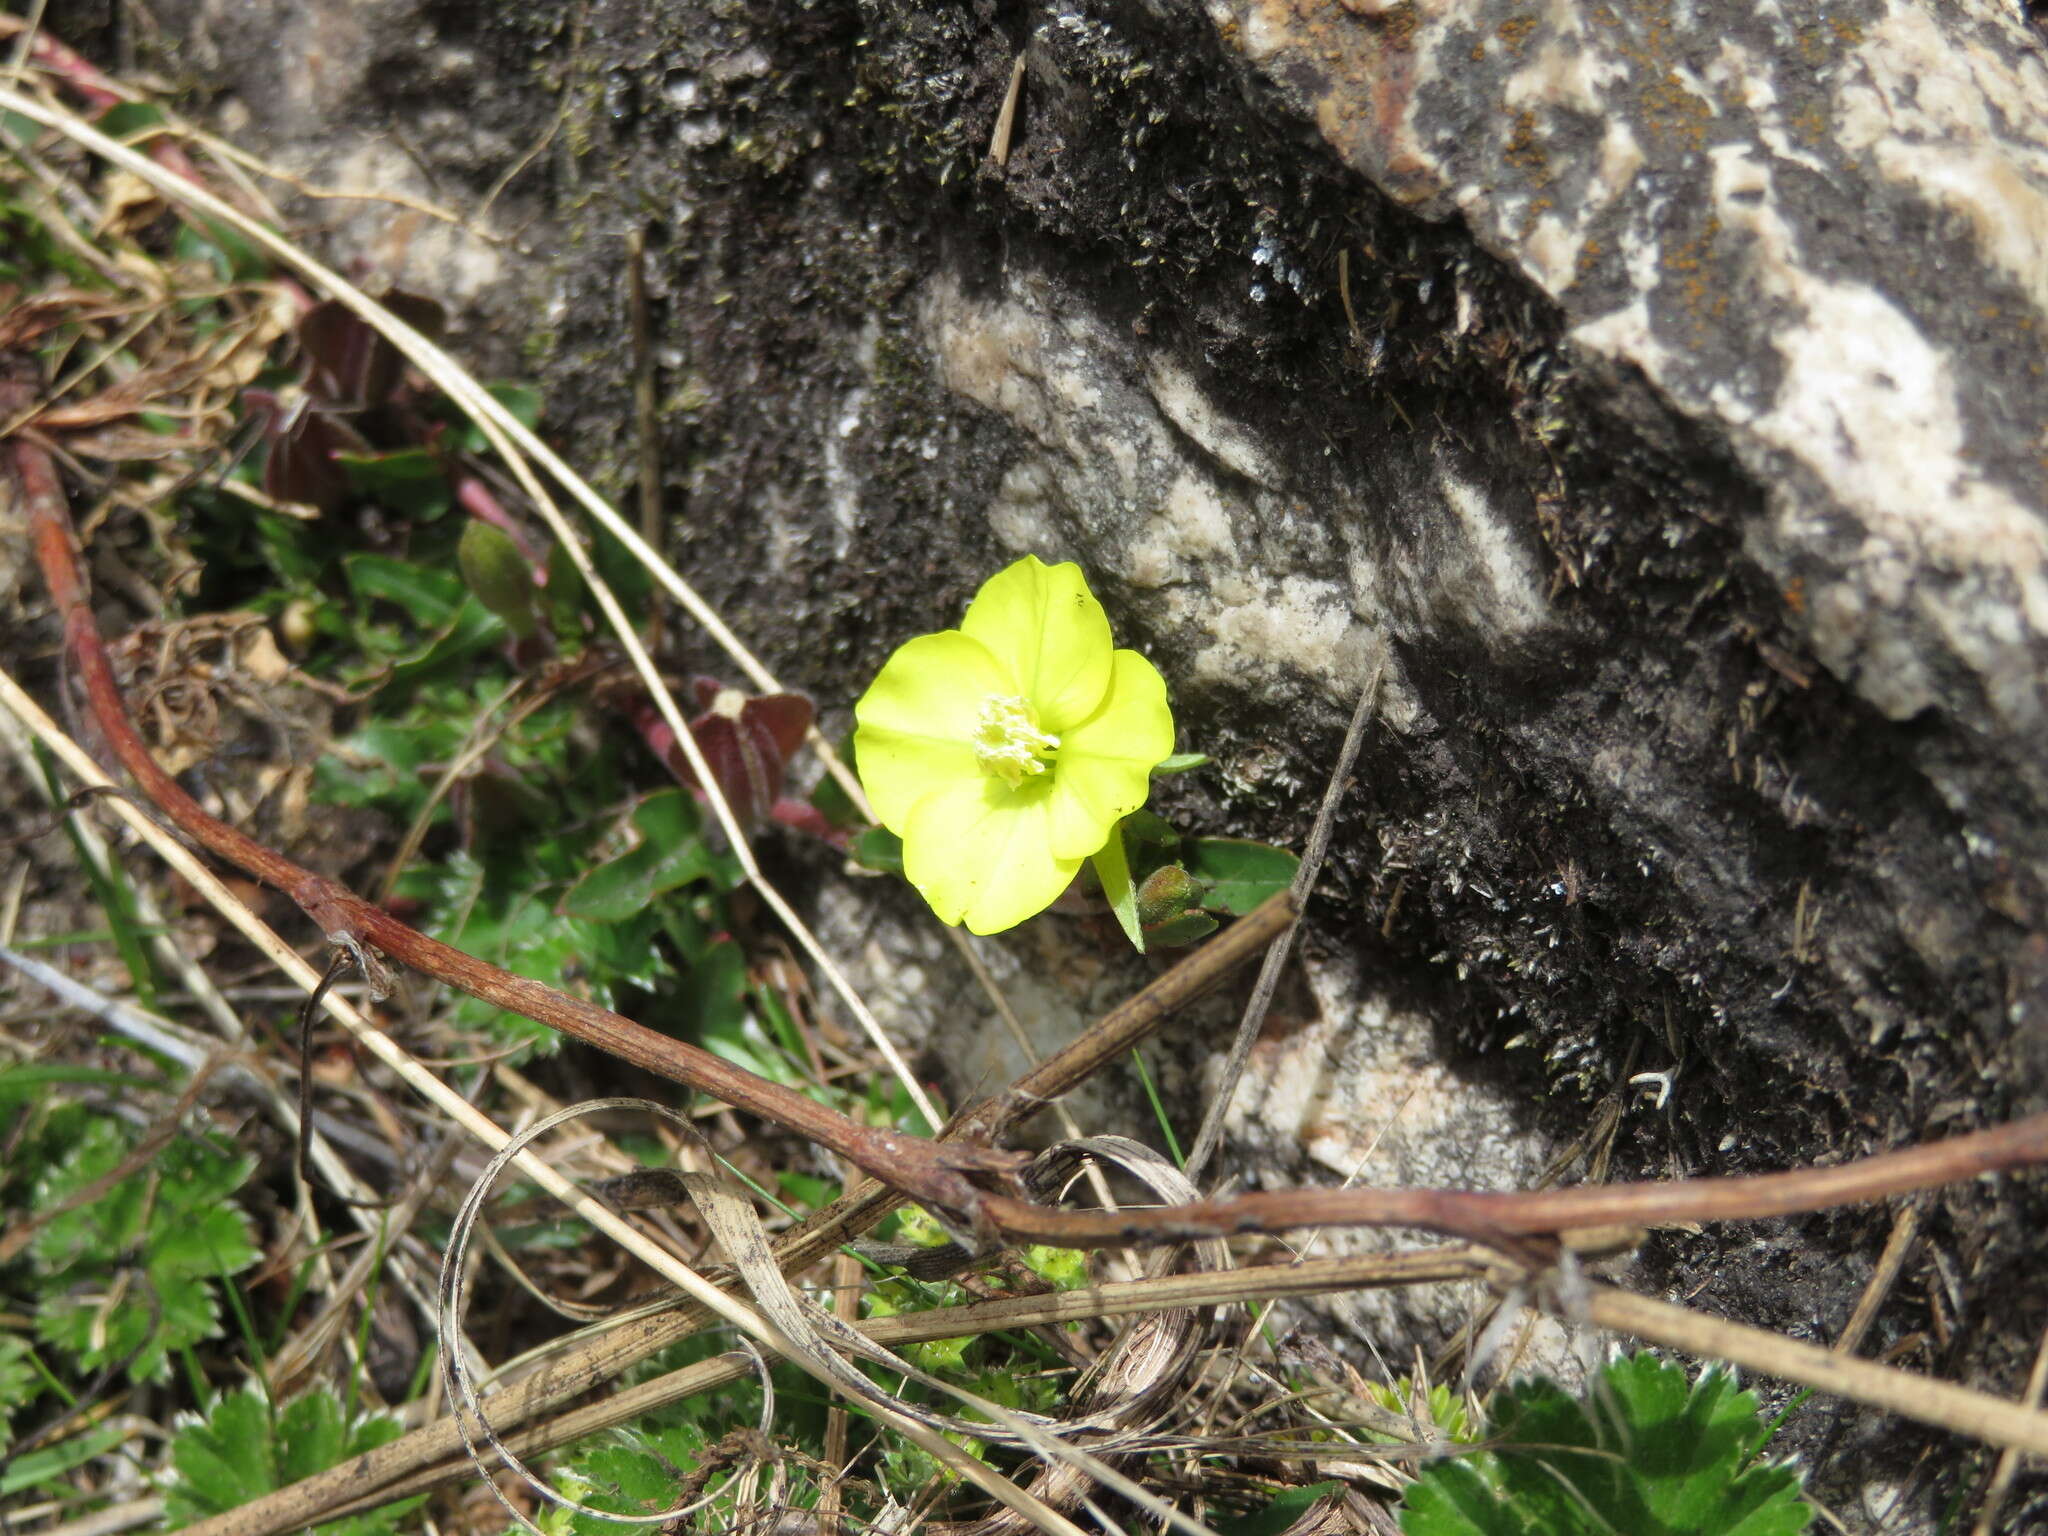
1005 752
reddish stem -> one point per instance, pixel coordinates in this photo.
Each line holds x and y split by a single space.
925 1170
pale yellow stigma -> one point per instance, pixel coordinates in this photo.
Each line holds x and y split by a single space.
1007 740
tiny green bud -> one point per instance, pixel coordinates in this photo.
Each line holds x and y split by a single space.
495 570
1167 892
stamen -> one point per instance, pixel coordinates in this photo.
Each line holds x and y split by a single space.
1007 740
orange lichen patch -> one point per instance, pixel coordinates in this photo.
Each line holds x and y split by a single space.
1588 258
1705 303
1525 151
1514 33
1795 595
1672 110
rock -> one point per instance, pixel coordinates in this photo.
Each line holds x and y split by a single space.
1652 397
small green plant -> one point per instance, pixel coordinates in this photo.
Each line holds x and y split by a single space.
243 1446
128 1278
1644 1453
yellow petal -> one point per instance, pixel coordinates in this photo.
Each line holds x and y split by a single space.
917 721
1043 623
981 853
1105 764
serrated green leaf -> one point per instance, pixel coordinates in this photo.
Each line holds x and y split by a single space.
197 1174
235 1454
311 1435
637 1473
125 1276
201 1243
18 1380
1240 873
1647 1451
224 1460
105 1228
1457 1498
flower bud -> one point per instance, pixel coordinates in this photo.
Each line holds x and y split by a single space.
495 570
1167 892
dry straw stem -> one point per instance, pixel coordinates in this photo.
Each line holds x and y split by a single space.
1958 1409
484 1129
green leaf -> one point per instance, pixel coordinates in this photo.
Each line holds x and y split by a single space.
1180 931
879 848
233 258
1064 1269
1240 873
505 913
475 628
224 1460
18 1380
311 1435
126 1276
564 598
1150 828
52 1462
409 480
1113 869
522 400
670 852
19 1079
1181 762
125 119
429 597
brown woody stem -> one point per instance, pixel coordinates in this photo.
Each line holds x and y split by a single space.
928 1171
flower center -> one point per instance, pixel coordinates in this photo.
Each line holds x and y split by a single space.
1007 740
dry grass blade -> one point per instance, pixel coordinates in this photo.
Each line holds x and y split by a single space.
1211 1132
1957 1409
